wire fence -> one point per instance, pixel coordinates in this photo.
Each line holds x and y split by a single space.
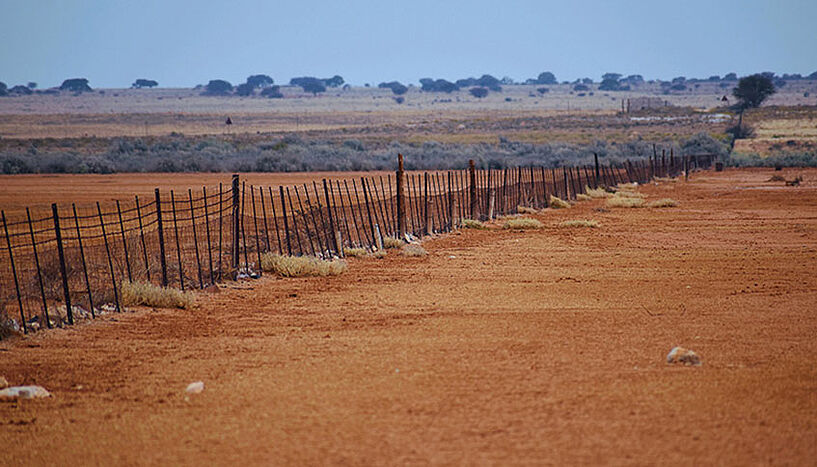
69 262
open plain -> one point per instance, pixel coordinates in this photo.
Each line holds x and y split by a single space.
544 346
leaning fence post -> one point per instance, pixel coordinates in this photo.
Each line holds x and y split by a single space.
178 244
142 236
124 241
235 225
195 236
401 198
107 251
450 203
14 273
82 257
332 226
37 263
286 221
426 228
63 271
160 230
472 192
255 224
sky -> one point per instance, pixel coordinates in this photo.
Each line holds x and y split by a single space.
181 44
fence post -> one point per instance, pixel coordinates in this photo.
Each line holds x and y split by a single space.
450 204
332 226
195 236
160 229
61 252
426 229
686 168
598 175
472 191
235 225
107 251
14 273
82 257
37 263
401 198
124 241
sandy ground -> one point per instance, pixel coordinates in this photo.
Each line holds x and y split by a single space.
499 347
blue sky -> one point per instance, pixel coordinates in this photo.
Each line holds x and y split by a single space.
185 43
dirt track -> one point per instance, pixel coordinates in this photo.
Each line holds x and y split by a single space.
499 347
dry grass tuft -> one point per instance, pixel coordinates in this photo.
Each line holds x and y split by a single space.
526 210
777 178
301 266
666 179
557 203
413 249
379 254
597 193
146 294
663 203
622 202
628 194
583 197
355 252
523 223
391 242
473 224
581 223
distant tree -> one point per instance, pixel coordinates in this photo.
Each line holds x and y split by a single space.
144 83
714 78
587 81
3 89
272 92
396 87
812 76
217 87
479 92
31 85
259 81
506 81
793 76
440 85
581 87
488 81
245 89
310 84
611 76
633 80
678 87
399 99
19 89
610 84
767 74
546 77
75 85
730 77
753 90
333 82
679 80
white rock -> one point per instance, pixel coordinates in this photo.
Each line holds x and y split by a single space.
680 355
3 383
195 388
24 392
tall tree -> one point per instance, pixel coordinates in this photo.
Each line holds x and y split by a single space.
752 90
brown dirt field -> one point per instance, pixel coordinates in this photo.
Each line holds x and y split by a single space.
499 347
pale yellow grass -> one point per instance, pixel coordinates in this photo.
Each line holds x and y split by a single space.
583 197
146 294
526 210
558 203
301 266
355 252
622 202
522 223
412 249
391 242
597 192
473 224
580 223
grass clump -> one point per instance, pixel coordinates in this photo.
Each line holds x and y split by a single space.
379 254
523 223
624 202
391 242
597 192
352 252
583 197
628 194
301 266
147 294
557 203
581 223
473 224
413 249
526 210
663 203
777 178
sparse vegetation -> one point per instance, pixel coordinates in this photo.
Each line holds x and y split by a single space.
473 224
355 252
522 223
379 254
777 178
558 203
301 266
625 193
583 197
580 223
391 242
663 203
597 192
413 250
147 294
624 202
526 210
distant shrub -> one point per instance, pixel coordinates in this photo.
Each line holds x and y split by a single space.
581 87
396 87
217 87
144 83
522 223
75 85
272 92
479 93
542 90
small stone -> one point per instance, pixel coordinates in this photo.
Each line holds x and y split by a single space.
23 392
3 383
195 388
680 355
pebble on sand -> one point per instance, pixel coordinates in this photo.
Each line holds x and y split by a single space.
23 392
195 388
680 355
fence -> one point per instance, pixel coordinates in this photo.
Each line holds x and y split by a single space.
69 263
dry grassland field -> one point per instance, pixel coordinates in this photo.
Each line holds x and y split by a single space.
542 346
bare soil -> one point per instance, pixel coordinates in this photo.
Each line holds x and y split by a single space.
499 347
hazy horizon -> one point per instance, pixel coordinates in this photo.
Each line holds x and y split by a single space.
369 42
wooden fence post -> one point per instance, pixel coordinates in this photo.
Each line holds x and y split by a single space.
450 203
82 257
14 273
63 271
597 173
332 226
401 198
235 233
160 229
472 171
107 251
